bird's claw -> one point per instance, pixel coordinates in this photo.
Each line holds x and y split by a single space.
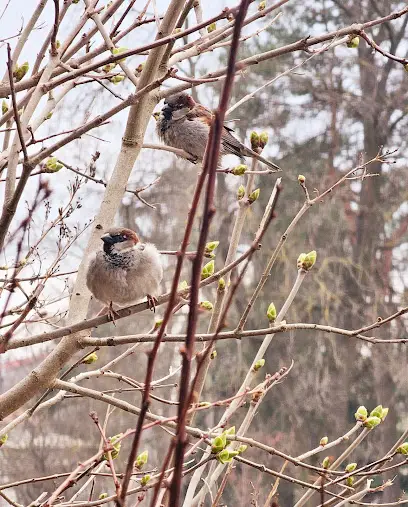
112 313
152 302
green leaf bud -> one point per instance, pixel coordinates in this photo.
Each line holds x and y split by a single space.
263 139
402 449
261 6
240 192
371 422
326 462
353 41
49 116
207 270
253 196
102 495
116 79
384 413
361 414
239 170
206 305
4 107
377 411
141 460
116 446
351 467
213 354
242 448
211 246
212 27
230 431
221 284
157 324
3 439
91 358
324 441
307 261
145 479
52 165
301 179
21 71
118 51
108 67
218 443
350 481
271 313
254 140
258 365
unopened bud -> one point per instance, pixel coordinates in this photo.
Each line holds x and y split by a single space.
213 354
102 495
271 313
253 196
263 139
21 71
221 284
52 165
326 462
116 446
139 68
109 67
239 170
4 107
157 324
58 44
254 140
211 246
183 285
324 441
377 411
258 365
353 42
206 305
350 481
212 27
402 449
207 270
301 179
361 414
91 358
118 51
307 261
242 448
141 460
372 422
116 79
3 439
384 413
351 467
145 479
241 192
261 6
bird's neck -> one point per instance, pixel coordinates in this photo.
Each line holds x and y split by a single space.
126 258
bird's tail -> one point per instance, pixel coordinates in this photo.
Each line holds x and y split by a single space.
271 165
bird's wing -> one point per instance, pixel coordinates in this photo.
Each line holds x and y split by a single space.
231 143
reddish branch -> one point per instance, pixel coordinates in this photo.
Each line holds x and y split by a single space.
209 167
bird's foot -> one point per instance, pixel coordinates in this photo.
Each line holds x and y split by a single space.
192 158
112 313
152 302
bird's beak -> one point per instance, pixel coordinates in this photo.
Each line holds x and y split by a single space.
107 238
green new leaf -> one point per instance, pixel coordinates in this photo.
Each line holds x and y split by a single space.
240 192
263 139
116 446
239 170
253 196
254 140
353 42
145 479
402 449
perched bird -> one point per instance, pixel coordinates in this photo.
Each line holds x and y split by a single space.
125 271
185 124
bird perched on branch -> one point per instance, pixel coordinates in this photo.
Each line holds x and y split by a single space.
125 271
185 124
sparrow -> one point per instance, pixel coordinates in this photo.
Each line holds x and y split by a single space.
185 124
124 271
